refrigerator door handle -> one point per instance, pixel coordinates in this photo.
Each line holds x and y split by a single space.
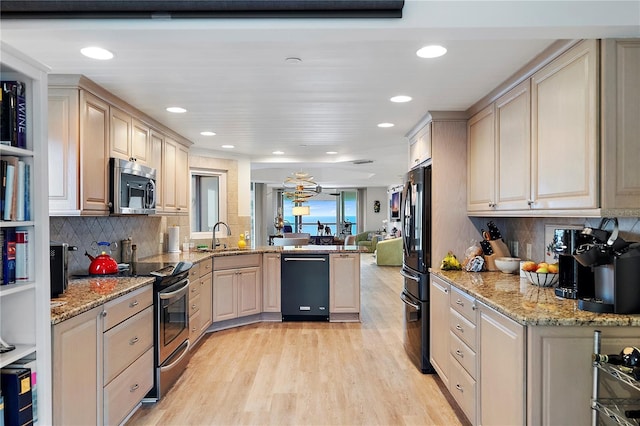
409 276
405 299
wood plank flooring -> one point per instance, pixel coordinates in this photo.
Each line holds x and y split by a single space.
311 373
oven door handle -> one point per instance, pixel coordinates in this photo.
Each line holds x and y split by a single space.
165 296
406 300
411 277
177 361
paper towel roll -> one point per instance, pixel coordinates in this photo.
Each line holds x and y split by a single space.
174 239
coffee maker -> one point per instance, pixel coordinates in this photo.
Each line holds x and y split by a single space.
575 281
616 268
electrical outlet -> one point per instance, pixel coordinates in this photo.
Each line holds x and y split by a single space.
528 251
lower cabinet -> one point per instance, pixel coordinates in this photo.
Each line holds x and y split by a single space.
271 294
439 323
200 300
103 382
344 283
237 286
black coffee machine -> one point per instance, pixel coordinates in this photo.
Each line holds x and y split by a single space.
616 271
575 281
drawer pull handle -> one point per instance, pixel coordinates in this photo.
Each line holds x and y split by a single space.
459 302
460 388
193 290
460 354
459 328
134 340
134 388
133 304
473 307
193 329
194 306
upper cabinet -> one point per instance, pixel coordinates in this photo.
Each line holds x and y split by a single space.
420 146
562 139
87 126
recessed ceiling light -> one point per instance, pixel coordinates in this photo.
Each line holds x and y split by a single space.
278 152
228 146
384 125
95 52
293 60
332 152
432 51
208 133
401 98
177 110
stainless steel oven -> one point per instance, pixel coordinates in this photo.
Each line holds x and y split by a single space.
171 327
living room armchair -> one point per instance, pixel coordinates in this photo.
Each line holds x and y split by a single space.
389 252
368 240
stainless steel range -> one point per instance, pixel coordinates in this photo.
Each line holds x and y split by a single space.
171 325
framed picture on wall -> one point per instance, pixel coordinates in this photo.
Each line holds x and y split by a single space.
395 205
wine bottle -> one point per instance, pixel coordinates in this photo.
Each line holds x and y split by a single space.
629 357
632 414
608 359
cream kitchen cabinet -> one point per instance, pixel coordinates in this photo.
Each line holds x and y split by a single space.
237 286
175 177
200 300
156 145
344 286
481 162
502 369
439 328
79 145
420 146
271 294
107 379
129 137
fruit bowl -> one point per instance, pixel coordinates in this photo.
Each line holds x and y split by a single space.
541 279
508 265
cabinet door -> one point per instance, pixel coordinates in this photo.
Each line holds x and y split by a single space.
249 291
120 146
76 396
206 299
439 328
225 296
513 146
182 179
271 301
564 130
420 146
156 142
502 369
481 161
344 283
94 153
169 183
63 145
140 141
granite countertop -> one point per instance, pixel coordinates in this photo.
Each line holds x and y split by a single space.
526 303
84 294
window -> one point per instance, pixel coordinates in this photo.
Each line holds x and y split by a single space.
331 210
207 204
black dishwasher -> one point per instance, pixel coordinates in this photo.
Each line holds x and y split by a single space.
305 287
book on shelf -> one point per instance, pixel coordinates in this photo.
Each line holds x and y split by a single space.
30 363
16 189
18 399
22 255
9 256
13 114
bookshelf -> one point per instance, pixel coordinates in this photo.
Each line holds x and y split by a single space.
25 319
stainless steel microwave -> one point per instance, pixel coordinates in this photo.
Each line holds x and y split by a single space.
132 188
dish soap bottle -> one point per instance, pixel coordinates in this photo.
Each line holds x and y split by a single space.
241 242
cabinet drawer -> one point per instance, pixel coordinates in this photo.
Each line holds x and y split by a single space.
463 354
128 389
206 266
194 272
125 342
236 261
126 306
464 304
194 304
194 327
194 287
463 388
462 328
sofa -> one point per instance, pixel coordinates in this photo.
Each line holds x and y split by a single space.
368 240
389 252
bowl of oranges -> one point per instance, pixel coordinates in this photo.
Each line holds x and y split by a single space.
541 274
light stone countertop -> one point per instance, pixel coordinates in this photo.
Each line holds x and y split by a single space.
528 304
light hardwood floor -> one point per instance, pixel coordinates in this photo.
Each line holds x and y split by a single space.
311 373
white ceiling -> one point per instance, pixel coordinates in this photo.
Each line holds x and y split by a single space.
232 77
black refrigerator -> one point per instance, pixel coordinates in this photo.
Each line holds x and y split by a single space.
416 260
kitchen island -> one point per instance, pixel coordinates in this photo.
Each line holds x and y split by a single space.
514 353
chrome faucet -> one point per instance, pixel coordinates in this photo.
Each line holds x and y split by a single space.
216 242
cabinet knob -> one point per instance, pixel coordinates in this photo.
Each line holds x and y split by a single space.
104 314
459 302
459 328
473 307
530 203
134 388
460 388
134 304
460 354
134 340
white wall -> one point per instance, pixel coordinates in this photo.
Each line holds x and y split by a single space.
372 220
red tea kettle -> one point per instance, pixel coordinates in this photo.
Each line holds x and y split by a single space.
103 263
